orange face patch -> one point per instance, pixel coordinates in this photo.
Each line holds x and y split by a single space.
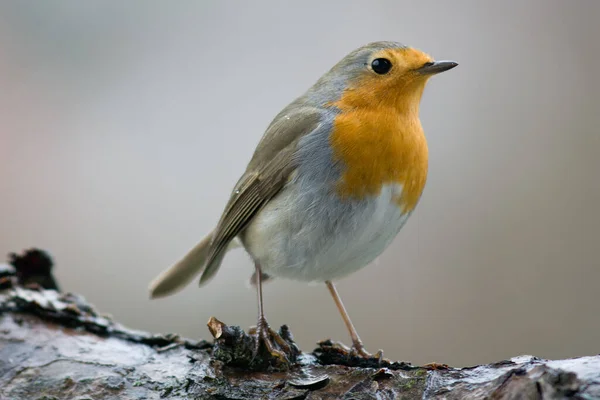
378 135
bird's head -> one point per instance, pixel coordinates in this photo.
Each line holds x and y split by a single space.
382 74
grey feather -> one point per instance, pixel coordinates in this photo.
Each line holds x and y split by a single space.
183 272
267 172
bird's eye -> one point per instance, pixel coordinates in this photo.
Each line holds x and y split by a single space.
381 66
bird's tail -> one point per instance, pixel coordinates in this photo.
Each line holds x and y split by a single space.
181 274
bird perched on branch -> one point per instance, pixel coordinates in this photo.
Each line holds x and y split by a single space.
332 181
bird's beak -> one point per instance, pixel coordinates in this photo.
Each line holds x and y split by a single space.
435 67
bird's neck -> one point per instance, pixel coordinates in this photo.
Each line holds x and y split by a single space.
403 98
407 102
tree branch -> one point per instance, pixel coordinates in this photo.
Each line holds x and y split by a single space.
56 346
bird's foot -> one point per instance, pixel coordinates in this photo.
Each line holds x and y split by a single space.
261 349
330 352
272 341
358 350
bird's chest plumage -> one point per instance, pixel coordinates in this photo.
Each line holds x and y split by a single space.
379 148
345 203
314 236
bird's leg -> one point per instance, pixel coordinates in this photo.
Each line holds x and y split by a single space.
357 346
263 331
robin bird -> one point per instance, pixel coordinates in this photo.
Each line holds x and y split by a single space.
332 181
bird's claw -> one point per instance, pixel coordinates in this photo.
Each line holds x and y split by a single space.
358 350
330 352
266 336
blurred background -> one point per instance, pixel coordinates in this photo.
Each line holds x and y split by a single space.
124 126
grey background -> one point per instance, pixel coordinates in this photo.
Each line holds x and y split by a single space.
123 128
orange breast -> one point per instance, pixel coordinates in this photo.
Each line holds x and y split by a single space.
379 146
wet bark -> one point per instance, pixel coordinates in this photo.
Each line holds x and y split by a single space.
56 346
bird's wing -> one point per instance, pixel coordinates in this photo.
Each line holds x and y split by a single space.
267 172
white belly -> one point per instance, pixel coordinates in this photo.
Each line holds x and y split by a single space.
312 237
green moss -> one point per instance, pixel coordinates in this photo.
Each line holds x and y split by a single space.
409 384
